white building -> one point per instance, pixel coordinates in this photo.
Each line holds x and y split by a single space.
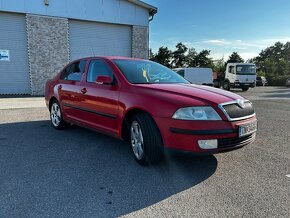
38 37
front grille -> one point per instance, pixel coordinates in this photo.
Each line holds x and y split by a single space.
233 142
235 112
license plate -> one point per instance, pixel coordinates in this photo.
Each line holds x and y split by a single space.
247 129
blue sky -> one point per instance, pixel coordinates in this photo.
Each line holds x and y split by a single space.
222 26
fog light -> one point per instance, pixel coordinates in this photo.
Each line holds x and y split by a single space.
208 144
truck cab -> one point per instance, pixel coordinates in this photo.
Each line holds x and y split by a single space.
239 75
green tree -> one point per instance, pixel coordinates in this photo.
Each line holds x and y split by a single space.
191 57
163 56
219 65
179 56
235 58
274 60
151 54
203 59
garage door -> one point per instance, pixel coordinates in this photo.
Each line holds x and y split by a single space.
99 39
14 70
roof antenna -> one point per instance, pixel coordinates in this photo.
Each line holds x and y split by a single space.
93 52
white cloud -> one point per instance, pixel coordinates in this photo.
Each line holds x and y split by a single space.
274 40
217 42
245 55
223 47
240 44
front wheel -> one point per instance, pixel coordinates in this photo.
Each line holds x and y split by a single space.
245 89
146 140
56 117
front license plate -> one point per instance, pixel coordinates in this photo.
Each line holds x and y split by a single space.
247 129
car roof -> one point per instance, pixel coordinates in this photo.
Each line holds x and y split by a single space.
108 58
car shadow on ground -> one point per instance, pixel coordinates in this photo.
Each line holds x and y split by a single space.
78 172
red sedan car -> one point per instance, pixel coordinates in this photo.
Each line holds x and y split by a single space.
149 105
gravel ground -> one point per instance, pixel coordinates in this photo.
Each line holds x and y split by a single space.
81 173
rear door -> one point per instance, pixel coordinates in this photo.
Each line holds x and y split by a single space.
69 89
99 102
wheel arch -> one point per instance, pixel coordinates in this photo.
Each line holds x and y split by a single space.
125 127
52 99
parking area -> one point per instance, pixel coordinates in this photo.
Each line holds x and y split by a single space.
80 173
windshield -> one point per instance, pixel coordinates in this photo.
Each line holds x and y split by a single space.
246 70
142 71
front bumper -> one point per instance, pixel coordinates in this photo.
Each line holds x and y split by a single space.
184 135
243 85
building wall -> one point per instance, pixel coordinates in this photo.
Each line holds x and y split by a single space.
140 42
48 49
108 11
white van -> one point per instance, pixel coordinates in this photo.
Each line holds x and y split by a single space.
196 75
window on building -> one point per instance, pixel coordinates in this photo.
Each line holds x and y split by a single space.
98 68
74 71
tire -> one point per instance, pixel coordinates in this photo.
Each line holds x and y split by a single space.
216 84
245 89
226 85
56 117
146 141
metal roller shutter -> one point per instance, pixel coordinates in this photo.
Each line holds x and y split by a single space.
14 74
99 39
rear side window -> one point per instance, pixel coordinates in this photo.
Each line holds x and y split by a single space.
98 68
74 71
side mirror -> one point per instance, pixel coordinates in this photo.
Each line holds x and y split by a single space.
104 80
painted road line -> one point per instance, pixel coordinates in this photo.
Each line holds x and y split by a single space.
288 175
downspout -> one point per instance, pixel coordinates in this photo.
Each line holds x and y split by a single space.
152 12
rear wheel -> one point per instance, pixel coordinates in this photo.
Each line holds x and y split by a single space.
226 85
56 117
146 140
245 89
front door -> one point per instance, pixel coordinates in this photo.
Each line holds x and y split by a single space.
231 74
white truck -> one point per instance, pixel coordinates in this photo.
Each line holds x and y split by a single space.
237 75
196 75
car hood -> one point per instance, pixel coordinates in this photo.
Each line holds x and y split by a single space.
199 92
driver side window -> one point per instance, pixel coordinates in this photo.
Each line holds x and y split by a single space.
231 69
98 68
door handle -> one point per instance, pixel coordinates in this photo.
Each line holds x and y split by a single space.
59 87
84 90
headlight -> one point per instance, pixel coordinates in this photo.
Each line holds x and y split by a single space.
196 113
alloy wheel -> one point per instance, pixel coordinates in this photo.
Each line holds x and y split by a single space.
137 140
55 114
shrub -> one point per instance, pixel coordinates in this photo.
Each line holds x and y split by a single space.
277 80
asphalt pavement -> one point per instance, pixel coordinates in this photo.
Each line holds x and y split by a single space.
80 173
